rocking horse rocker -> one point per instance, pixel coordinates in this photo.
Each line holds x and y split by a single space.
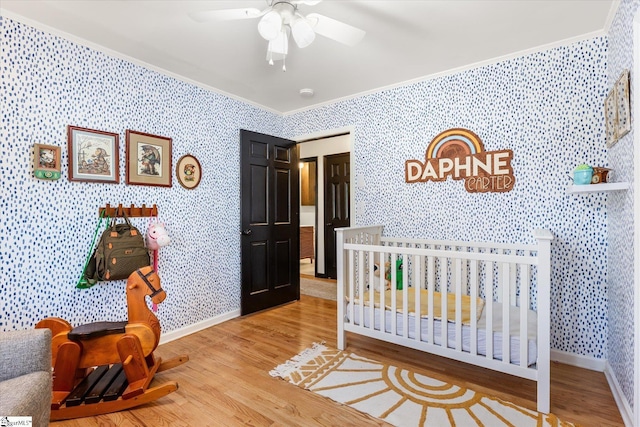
106 367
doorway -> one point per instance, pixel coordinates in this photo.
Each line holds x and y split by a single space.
318 147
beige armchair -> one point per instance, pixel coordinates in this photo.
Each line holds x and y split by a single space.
25 375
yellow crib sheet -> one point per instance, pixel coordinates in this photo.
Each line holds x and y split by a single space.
424 304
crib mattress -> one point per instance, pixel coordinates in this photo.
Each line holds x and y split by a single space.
514 331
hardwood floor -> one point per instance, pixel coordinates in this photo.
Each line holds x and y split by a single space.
227 382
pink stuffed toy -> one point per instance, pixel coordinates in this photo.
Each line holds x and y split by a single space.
157 236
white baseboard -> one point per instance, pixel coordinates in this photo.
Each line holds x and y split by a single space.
600 365
188 330
623 405
586 362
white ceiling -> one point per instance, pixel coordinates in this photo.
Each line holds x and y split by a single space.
405 41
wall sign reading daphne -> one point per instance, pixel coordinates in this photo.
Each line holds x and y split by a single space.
459 153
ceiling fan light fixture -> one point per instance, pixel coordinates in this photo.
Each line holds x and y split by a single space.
281 20
279 45
270 25
302 32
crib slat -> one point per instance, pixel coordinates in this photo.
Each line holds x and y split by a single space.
371 285
488 289
525 271
351 284
417 271
513 281
360 282
453 272
458 305
431 274
382 270
444 341
394 299
506 336
474 308
423 279
499 282
465 273
405 297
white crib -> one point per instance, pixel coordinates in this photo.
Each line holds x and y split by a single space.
473 288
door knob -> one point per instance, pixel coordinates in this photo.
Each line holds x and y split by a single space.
246 232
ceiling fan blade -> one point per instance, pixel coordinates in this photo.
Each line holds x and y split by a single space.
335 30
225 14
307 2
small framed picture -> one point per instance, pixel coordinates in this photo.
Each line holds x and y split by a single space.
148 159
611 118
623 98
46 161
93 155
188 171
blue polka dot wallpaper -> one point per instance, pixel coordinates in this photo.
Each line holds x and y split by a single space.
620 207
546 107
46 227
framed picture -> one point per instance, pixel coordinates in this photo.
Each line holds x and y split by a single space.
148 159
188 171
611 118
623 105
93 155
46 161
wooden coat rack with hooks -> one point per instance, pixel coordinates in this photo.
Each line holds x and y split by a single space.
131 211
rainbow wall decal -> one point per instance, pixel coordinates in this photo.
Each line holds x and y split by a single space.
454 143
459 154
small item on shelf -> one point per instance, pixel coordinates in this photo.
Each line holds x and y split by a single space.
582 174
600 175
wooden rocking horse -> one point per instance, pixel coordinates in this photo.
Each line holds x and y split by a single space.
106 367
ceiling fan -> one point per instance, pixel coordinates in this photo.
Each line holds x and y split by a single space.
282 19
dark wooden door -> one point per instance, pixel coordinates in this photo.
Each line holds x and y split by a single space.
269 221
336 205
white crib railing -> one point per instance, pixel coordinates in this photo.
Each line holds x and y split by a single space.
515 277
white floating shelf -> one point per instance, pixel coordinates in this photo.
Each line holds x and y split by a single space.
594 188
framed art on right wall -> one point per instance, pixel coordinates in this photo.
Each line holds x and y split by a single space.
623 105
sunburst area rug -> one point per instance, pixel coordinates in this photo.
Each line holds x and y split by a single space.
401 397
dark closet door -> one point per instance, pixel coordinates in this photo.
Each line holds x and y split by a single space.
336 205
270 222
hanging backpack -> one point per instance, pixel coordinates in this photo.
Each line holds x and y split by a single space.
119 252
